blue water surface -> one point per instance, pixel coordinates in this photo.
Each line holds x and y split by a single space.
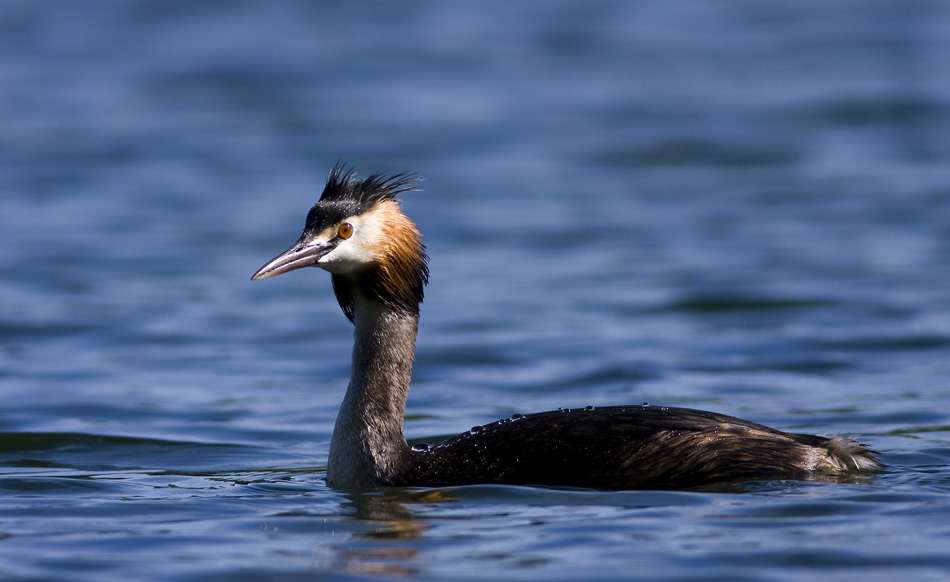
740 206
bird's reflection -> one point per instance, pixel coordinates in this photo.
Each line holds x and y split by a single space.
389 545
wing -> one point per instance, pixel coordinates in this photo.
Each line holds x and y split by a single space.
618 447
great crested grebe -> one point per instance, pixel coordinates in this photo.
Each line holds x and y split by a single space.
378 265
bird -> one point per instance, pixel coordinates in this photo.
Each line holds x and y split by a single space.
378 265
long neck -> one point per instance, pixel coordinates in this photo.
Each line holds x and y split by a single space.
368 442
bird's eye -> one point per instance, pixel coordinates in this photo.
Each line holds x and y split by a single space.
345 231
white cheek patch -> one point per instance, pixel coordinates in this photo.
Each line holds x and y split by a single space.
358 250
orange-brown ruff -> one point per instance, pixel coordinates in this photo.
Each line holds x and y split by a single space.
378 264
398 272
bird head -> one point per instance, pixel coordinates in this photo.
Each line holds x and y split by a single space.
358 233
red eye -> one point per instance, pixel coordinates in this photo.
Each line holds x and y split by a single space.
345 230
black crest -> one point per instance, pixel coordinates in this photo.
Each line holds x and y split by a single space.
346 195
343 186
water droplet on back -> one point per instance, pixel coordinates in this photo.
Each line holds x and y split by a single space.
516 416
477 429
420 447
588 408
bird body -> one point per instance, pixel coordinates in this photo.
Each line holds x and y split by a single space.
378 265
628 447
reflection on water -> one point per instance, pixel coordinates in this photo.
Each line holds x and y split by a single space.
392 524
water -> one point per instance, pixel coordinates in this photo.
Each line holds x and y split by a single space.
735 207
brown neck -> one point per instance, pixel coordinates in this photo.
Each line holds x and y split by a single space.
368 444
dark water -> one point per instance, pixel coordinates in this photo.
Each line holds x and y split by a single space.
737 206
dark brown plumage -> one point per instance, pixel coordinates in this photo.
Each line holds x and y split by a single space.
627 447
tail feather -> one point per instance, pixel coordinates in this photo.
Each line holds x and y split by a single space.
847 454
